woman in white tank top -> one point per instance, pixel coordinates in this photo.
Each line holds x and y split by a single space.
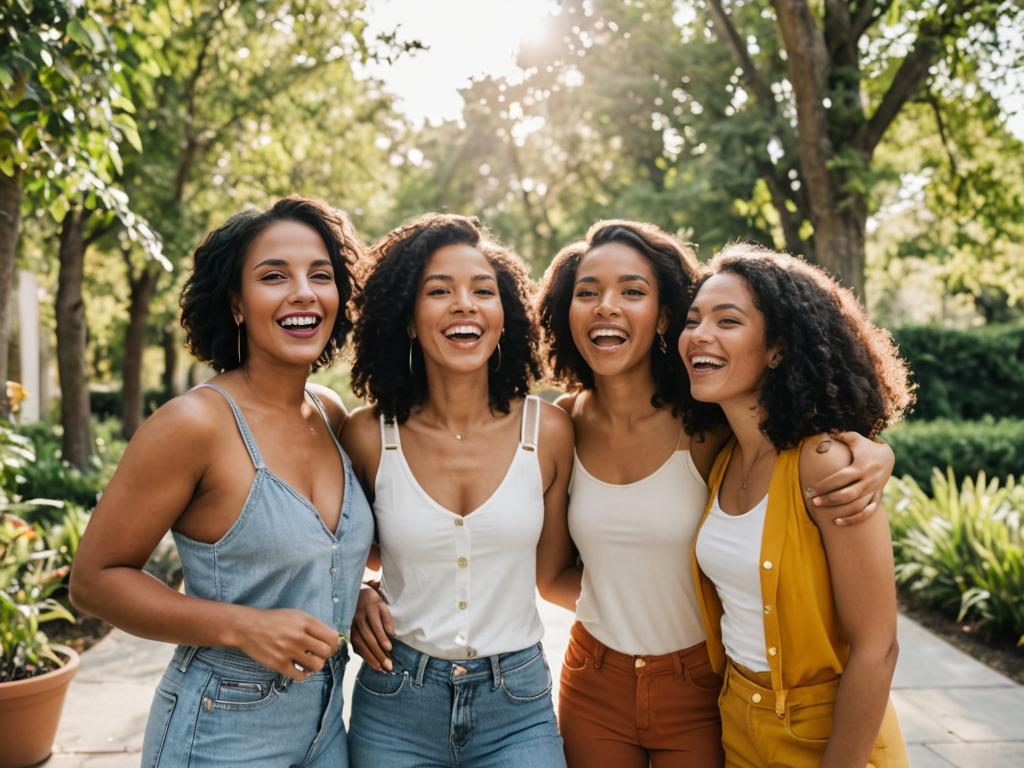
637 688
468 479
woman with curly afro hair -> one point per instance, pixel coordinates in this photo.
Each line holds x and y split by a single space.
270 523
800 613
467 476
612 307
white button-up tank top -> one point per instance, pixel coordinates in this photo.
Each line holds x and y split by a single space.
462 586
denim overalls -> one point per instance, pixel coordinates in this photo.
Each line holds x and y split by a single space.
218 707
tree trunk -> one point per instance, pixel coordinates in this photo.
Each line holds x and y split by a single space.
839 244
10 226
169 342
143 286
71 338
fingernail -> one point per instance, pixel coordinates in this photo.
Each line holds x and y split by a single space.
809 491
387 646
840 521
387 665
817 501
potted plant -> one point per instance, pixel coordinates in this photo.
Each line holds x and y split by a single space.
34 674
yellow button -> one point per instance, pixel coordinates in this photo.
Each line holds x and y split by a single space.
639 663
767 565
459 522
470 653
772 651
756 698
767 610
463 562
462 605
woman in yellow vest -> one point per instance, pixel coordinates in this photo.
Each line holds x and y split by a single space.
800 613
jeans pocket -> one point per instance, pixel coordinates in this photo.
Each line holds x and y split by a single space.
529 681
383 684
157 726
576 658
239 695
810 723
702 677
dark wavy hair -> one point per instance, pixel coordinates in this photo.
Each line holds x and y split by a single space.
216 278
676 269
837 370
381 371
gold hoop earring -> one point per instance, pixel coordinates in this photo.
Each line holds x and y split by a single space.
238 344
497 368
662 344
411 342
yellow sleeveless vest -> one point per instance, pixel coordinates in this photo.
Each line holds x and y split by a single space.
804 641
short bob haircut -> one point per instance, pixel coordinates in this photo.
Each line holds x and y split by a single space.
384 353
677 270
837 370
216 278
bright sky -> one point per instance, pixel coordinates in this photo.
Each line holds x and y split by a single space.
466 38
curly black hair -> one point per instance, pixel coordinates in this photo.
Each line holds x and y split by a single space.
677 270
837 370
381 371
216 277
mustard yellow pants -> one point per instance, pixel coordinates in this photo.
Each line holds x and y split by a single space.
755 737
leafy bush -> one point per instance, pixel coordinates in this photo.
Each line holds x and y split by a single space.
961 550
106 404
34 566
966 374
968 447
51 477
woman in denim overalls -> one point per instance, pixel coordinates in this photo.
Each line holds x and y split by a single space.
272 528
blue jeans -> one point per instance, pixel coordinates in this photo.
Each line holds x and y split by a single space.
218 707
492 712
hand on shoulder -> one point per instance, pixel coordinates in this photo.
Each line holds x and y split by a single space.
820 456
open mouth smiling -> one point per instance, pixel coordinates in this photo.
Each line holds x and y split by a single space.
463 334
608 337
300 324
706 363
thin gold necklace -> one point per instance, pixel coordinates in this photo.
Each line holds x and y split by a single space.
743 486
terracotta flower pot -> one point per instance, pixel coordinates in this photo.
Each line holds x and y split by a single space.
29 712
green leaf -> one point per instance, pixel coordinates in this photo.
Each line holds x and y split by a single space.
122 103
77 33
6 78
59 208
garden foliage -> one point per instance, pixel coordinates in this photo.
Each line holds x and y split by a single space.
995 446
960 549
966 374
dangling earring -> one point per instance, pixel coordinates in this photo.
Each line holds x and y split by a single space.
662 344
411 342
498 366
238 343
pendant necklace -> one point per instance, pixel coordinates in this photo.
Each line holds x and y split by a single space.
743 485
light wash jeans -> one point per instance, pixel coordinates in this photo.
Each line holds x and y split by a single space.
219 708
492 712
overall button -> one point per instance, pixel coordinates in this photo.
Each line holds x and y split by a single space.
470 653
767 610
772 651
459 522
639 663
333 570
334 546
756 698
462 562
462 605
768 565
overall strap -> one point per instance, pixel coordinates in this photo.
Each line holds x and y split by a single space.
389 439
529 430
243 426
323 415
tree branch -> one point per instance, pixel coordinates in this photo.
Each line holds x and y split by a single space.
751 75
909 78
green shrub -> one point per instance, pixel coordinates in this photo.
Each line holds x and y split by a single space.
106 403
965 374
51 477
968 447
961 549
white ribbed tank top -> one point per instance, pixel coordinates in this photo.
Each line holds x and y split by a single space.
462 586
634 539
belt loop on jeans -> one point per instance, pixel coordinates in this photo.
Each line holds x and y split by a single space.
677 664
186 654
495 673
421 670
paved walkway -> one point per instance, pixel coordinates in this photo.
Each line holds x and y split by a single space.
954 710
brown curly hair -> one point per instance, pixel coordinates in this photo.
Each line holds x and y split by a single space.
381 371
837 370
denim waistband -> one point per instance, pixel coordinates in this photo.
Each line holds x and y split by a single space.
232 660
422 666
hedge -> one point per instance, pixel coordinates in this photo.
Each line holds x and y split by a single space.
965 374
968 447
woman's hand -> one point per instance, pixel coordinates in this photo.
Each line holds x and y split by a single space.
854 493
288 641
372 630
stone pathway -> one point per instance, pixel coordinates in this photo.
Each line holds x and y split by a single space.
954 710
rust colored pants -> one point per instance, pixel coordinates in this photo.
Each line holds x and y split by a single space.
755 737
620 711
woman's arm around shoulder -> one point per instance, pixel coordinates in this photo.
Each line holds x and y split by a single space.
861 569
558 577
